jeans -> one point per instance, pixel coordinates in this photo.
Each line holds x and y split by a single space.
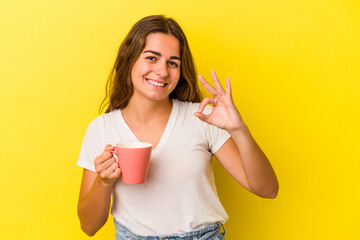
208 232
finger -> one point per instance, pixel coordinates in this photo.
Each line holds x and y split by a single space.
106 154
107 173
109 147
228 88
207 86
204 103
217 83
112 168
108 163
101 167
116 173
103 157
202 117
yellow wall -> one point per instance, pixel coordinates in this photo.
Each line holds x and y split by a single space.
295 69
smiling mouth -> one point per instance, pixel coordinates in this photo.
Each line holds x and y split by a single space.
155 83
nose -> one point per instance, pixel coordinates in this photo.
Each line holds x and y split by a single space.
161 69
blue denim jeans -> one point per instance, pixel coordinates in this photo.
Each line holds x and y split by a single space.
209 232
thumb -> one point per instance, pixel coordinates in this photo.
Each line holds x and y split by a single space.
202 117
109 147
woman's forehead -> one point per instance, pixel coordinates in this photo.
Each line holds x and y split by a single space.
166 44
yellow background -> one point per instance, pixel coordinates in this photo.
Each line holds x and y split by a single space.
295 69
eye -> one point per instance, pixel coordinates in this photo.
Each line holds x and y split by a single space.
174 64
151 58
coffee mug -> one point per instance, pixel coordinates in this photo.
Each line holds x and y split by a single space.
134 161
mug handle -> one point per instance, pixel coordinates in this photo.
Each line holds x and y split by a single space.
117 160
115 153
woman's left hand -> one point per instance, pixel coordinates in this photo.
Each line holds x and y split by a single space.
224 113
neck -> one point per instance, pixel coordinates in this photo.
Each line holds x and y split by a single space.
144 112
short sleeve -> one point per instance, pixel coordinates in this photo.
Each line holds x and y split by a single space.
216 137
92 145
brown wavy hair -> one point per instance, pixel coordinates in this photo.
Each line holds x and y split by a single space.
119 87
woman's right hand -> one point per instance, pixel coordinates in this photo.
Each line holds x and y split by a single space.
107 167
95 192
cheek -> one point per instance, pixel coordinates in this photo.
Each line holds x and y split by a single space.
134 71
139 69
175 80
175 75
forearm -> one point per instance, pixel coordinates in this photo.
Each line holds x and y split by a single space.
258 170
93 209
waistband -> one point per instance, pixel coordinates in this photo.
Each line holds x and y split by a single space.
210 231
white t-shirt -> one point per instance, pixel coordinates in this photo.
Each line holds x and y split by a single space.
179 194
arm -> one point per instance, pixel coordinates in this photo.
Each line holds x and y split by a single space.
95 192
241 156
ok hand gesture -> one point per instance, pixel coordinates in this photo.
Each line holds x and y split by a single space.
224 113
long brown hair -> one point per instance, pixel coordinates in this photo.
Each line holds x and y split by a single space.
119 87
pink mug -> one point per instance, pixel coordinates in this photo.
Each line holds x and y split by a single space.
134 161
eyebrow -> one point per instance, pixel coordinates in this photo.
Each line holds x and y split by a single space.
159 54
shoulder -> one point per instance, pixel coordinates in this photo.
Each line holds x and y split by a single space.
104 120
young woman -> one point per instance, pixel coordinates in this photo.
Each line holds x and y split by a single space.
154 97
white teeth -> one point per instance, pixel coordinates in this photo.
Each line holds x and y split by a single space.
156 83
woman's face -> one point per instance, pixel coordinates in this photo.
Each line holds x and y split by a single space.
156 72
